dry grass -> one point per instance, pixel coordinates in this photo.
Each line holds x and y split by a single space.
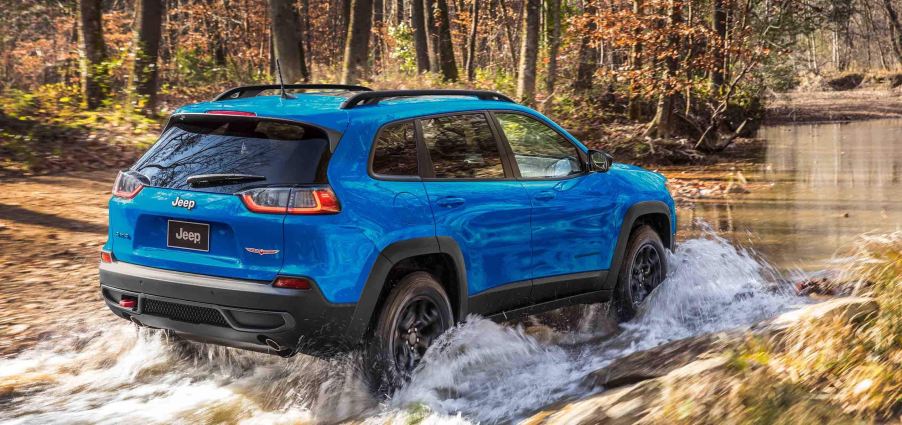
836 371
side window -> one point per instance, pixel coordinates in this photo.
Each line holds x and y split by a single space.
396 150
540 151
462 146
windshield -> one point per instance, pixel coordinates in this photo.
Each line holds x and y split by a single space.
279 153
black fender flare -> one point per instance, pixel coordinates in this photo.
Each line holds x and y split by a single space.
638 209
393 254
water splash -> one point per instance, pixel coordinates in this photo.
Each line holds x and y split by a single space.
480 371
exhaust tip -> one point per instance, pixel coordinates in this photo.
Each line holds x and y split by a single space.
279 349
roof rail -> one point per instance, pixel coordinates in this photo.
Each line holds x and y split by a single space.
255 90
373 97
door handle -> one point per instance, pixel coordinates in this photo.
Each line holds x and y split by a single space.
544 196
450 202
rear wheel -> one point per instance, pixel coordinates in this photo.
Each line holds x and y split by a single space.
644 267
416 312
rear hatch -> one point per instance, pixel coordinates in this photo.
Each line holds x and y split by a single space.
186 205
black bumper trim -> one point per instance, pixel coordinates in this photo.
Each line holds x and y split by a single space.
302 321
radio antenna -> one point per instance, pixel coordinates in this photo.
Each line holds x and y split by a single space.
282 93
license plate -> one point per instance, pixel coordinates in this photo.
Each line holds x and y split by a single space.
187 235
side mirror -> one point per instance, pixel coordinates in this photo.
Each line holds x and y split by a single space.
600 161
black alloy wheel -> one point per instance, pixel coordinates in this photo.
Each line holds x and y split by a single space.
643 268
415 313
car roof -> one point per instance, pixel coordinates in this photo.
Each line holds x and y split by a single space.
324 109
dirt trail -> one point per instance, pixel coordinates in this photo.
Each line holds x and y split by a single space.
51 230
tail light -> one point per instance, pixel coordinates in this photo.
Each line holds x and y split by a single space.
127 184
292 282
295 200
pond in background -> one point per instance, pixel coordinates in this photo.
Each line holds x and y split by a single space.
828 184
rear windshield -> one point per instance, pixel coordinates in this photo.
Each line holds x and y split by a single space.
283 153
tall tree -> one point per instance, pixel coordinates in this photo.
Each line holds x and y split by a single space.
445 51
145 74
633 108
529 48
719 21
358 40
286 40
420 35
586 55
431 34
92 53
663 124
553 36
896 27
471 42
378 31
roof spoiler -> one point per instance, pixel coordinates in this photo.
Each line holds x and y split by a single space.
255 90
373 97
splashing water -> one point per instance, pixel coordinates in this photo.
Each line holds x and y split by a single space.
480 371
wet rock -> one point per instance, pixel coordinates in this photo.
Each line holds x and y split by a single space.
847 309
625 405
658 361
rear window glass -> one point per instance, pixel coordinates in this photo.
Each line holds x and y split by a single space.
283 153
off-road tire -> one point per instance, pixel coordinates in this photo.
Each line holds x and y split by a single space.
416 290
643 242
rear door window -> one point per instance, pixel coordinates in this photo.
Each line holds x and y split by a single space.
462 146
395 151
282 153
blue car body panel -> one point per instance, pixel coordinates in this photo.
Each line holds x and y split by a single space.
510 232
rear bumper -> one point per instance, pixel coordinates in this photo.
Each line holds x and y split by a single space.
231 312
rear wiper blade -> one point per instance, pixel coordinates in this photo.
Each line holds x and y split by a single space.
202 180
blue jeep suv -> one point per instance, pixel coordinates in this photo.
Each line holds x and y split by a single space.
342 217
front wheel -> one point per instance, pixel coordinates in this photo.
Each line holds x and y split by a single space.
644 267
415 314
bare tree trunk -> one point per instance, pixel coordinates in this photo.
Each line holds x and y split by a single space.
554 45
510 35
662 126
896 27
358 40
719 19
471 44
145 76
286 40
420 35
445 50
431 35
378 31
633 108
587 57
399 12
529 48
92 54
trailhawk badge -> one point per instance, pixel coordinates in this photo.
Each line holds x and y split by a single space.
259 251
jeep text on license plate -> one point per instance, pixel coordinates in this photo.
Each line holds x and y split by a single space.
187 235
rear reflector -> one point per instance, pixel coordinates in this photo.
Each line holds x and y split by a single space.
292 282
128 302
106 257
234 113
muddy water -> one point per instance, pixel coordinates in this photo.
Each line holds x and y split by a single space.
109 371
827 184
